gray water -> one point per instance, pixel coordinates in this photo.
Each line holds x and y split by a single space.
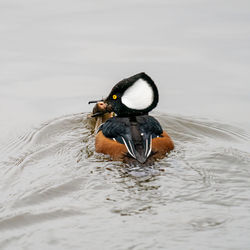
56 192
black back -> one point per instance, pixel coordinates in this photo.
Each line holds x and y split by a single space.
136 132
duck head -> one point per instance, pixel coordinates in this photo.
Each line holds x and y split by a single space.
136 95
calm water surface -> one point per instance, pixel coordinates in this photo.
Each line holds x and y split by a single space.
56 192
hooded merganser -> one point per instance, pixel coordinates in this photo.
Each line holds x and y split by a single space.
133 136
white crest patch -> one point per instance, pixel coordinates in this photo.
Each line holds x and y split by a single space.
139 96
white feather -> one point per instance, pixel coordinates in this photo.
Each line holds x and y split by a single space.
131 153
150 147
139 96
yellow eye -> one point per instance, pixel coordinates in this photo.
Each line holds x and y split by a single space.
114 97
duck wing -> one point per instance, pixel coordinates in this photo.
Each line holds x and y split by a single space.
118 129
149 128
136 133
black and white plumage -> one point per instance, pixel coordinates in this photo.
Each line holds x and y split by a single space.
136 95
132 135
135 132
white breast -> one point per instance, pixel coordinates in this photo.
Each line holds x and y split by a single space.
139 96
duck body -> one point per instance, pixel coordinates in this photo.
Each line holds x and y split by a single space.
133 136
135 139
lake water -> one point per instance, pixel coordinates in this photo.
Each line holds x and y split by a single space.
56 192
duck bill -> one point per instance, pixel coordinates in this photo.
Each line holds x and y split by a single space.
98 114
95 101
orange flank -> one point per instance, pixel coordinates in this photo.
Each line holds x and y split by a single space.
162 145
104 145
117 151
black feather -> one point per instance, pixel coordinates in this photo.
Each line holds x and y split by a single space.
135 132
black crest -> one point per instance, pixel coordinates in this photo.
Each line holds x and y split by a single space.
115 96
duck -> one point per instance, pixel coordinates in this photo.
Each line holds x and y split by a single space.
128 133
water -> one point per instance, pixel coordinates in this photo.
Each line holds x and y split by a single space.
56 192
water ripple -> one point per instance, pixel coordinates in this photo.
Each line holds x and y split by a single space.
52 177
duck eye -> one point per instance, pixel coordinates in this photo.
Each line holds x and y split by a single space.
114 97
